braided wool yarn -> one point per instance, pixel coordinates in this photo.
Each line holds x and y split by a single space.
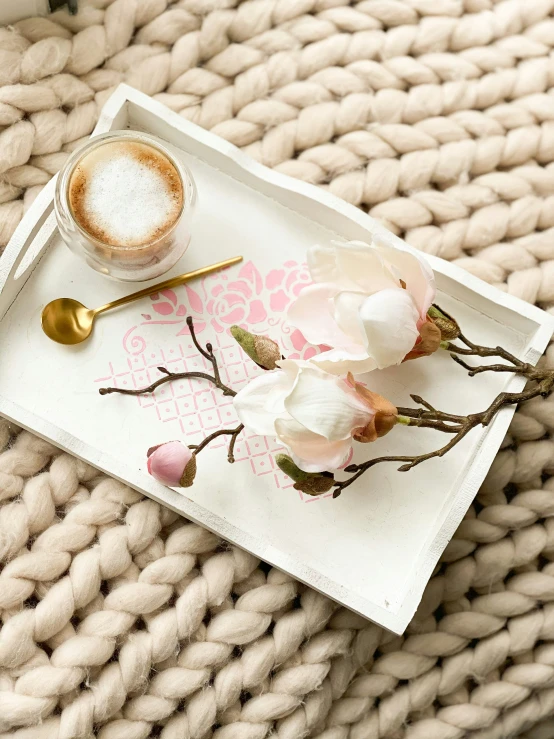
121 620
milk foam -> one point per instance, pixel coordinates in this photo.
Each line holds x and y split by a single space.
125 193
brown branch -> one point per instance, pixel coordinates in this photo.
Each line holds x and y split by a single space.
207 353
410 461
526 370
464 425
170 376
476 350
430 423
232 442
233 433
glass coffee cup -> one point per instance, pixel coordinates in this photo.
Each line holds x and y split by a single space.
124 203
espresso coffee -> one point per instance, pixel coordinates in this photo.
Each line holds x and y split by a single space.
125 194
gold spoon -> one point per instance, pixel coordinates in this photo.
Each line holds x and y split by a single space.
68 322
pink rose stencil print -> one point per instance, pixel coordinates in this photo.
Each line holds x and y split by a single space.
190 407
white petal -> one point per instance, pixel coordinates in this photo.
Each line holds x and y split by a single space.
390 322
312 314
340 362
325 405
362 265
347 315
416 273
311 452
322 263
352 265
261 402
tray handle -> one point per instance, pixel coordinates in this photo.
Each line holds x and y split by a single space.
35 231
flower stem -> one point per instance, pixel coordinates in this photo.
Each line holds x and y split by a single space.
460 426
170 376
233 433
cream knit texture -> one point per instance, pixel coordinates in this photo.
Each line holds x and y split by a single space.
121 620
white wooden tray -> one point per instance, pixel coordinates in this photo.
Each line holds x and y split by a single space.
374 548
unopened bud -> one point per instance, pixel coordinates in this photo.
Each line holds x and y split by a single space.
261 349
172 463
312 483
447 325
189 473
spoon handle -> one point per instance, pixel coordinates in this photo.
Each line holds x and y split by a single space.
172 282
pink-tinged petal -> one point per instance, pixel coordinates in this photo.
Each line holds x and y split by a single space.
415 272
325 405
250 273
279 301
195 301
260 403
234 316
167 462
163 309
257 312
233 299
181 311
341 361
217 290
241 287
390 324
347 460
274 278
170 295
311 452
312 314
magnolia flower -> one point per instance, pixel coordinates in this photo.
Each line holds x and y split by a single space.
368 304
172 464
315 415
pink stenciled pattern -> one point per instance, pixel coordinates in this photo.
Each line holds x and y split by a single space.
192 408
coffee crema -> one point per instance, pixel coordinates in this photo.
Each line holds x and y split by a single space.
125 194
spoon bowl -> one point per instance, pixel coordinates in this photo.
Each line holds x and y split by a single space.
67 321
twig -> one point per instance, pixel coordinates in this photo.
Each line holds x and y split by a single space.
207 353
435 419
233 433
524 369
476 350
232 442
428 412
170 376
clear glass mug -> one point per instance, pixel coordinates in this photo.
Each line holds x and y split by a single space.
130 263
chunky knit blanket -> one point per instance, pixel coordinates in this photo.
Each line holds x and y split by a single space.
123 621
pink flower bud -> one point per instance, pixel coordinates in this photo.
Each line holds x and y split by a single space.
167 462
